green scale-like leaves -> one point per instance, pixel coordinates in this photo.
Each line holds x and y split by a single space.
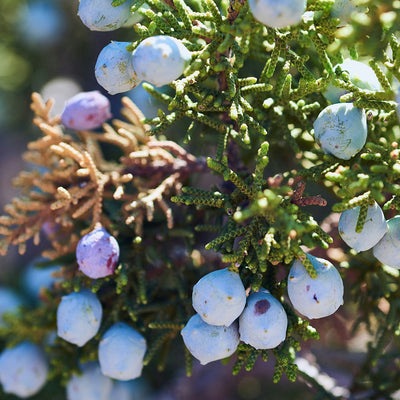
247 101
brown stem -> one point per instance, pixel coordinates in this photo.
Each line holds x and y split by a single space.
232 13
299 200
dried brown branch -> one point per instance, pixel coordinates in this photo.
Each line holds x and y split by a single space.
298 199
234 8
74 178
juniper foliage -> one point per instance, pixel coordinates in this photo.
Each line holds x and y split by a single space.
242 116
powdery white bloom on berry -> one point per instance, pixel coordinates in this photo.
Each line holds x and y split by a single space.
360 74
319 297
100 15
375 227
343 9
219 297
387 250
263 323
86 110
23 369
79 317
278 13
121 352
341 130
91 385
9 302
160 60
97 253
114 70
209 342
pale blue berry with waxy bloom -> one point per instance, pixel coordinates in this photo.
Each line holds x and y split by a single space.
263 323
90 385
86 111
341 130
97 253
23 369
79 317
360 74
375 227
319 297
209 343
160 60
113 69
278 14
121 352
387 250
100 15
219 297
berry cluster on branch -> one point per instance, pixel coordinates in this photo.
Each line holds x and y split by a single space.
268 100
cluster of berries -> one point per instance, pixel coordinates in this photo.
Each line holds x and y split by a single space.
382 236
24 368
158 60
341 130
121 348
100 15
225 316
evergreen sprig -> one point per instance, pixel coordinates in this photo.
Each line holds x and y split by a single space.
246 101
